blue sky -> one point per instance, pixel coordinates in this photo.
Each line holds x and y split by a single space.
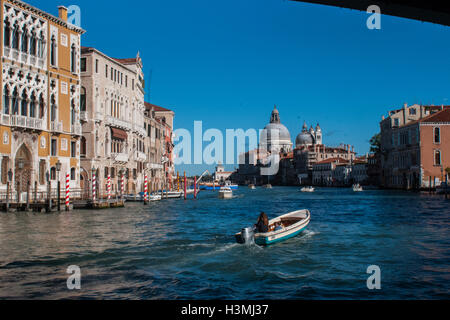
228 62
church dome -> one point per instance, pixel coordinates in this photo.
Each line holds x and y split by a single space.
275 134
304 139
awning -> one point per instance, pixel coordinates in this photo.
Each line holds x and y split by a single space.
119 134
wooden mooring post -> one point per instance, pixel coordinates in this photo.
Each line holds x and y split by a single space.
8 184
28 195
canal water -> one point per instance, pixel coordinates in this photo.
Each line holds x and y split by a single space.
180 249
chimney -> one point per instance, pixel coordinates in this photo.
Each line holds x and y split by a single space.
62 11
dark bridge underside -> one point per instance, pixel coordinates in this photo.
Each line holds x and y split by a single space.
427 11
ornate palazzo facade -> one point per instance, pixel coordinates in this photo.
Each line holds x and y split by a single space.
112 114
40 89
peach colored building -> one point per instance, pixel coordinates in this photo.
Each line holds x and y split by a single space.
415 146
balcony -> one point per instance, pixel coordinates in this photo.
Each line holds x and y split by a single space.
139 130
118 123
120 157
56 126
22 122
24 57
140 156
76 130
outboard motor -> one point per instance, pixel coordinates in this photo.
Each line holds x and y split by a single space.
248 236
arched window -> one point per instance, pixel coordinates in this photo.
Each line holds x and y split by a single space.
15 102
6 100
15 37
53 51
83 99
40 45
24 46
24 105
7 34
73 58
33 44
54 109
33 106
41 107
437 135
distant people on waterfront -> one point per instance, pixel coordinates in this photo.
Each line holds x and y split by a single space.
262 226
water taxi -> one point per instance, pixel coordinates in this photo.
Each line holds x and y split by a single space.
225 193
282 228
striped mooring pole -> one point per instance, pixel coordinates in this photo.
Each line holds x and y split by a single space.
68 192
122 185
146 190
185 186
195 187
94 187
109 187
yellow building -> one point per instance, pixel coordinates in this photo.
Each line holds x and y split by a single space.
40 89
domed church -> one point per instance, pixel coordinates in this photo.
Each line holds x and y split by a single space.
276 137
309 138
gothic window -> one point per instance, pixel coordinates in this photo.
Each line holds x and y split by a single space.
7 34
54 147
15 102
15 37
53 173
73 58
33 106
106 172
6 100
24 46
33 44
53 51
54 108
24 107
40 46
83 99
41 107
73 149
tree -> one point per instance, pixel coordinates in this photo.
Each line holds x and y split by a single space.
375 144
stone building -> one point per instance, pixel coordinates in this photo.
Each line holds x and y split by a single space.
275 137
40 88
414 145
159 144
112 115
330 172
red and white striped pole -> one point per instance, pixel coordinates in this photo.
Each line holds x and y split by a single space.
195 187
109 187
68 192
122 185
146 190
94 186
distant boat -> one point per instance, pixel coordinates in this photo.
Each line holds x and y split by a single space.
173 194
308 189
225 193
252 186
282 228
357 188
267 186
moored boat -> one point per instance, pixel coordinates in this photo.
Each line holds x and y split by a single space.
174 194
154 197
282 228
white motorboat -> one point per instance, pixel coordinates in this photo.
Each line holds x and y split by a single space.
252 187
225 193
173 194
357 188
308 189
154 197
280 229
